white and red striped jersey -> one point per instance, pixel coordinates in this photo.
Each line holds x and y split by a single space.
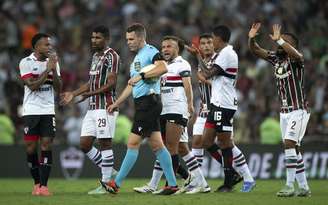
205 90
101 66
223 86
41 101
172 91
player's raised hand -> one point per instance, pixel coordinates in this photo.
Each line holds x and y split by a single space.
52 61
254 30
276 28
66 98
193 50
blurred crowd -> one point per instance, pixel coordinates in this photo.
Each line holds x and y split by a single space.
71 21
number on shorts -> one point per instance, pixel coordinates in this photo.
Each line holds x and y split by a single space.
101 122
293 125
217 116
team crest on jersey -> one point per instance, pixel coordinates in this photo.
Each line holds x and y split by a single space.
163 80
35 69
281 70
137 66
26 129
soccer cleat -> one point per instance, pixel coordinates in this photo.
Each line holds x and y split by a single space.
287 191
110 186
168 190
224 188
199 189
98 190
44 191
36 190
144 189
248 186
185 189
303 192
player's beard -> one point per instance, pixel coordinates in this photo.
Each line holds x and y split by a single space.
281 53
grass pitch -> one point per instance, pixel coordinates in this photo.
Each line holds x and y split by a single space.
18 191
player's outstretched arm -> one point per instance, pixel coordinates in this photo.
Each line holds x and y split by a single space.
290 50
67 97
125 94
159 69
189 94
111 82
253 45
196 52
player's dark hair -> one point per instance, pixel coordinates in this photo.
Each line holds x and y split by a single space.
205 35
103 30
180 42
223 32
294 38
138 28
37 37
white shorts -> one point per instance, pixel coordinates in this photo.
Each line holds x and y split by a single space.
293 125
99 124
184 137
199 125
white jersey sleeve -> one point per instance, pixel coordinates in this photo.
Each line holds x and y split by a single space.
223 86
184 69
25 68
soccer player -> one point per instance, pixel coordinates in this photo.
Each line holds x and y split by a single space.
207 49
146 94
100 89
177 98
208 56
40 74
288 66
219 122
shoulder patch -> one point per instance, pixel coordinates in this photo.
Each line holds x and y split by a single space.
28 59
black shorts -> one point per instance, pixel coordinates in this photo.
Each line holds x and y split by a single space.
146 118
173 118
220 119
36 126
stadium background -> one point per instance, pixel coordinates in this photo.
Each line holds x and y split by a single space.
70 23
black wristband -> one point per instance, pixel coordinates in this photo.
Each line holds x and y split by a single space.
142 76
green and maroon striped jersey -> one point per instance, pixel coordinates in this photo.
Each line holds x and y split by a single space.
289 76
101 65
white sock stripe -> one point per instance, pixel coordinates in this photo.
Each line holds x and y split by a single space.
193 167
239 159
192 163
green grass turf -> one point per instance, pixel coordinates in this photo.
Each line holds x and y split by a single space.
18 191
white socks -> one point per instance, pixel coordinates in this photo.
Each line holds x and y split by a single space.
291 163
107 165
199 155
95 156
240 165
300 173
157 175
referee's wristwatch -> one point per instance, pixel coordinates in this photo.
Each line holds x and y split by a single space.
142 74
